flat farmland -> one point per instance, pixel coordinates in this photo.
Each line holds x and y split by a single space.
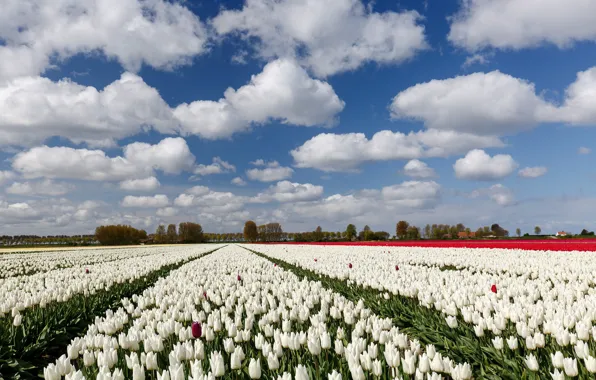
290 311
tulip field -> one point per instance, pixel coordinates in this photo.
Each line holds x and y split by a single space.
289 311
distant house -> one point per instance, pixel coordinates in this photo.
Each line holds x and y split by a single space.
561 233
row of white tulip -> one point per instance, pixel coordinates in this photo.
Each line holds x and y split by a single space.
528 295
19 264
22 292
232 313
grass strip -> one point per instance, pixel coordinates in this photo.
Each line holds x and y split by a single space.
46 332
428 326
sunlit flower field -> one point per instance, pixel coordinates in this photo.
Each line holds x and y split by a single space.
299 312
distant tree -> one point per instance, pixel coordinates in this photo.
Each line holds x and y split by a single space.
518 232
172 235
413 233
537 230
350 232
498 230
250 231
460 227
426 231
401 229
190 232
115 235
366 234
318 234
381 235
160 234
584 232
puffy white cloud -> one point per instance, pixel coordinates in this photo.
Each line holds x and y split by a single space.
326 36
64 162
286 191
345 152
45 187
238 181
6 175
273 172
159 200
413 194
80 113
282 91
217 167
578 107
369 205
171 155
210 201
258 162
418 169
17 212
584 150
491 103
515 24
158 33
167 212
498 193
143 184
532 172
478 165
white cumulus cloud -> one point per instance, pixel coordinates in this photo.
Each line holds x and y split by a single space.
272 172
140 160
143 184
286 191
282 91
532 172
80 113
159 200
157 33
478 165
515 24
491 103
346 152
218 166
326 36
418 169
45 187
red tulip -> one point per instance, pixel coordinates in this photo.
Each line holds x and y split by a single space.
350 265
397 267
196 329
87 271
493 288
205 295
274 264
239 278
315 260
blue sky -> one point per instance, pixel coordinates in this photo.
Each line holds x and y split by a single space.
303 112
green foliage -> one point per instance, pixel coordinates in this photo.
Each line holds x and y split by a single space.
250 231
429 327
190 233
46 332
119 235
351 232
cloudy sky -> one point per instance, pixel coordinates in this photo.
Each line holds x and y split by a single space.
304 112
